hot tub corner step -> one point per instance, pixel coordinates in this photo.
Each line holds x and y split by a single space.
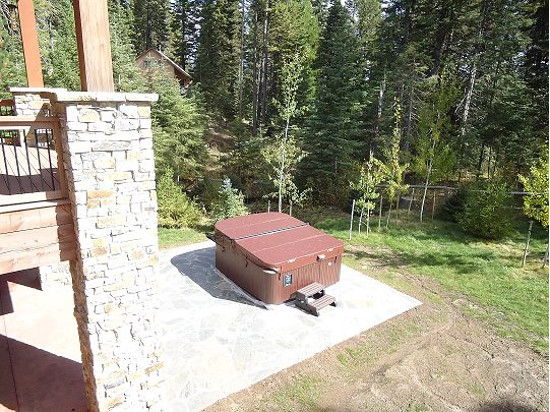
316 305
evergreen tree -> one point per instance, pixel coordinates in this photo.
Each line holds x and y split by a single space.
218 58
151 24
294 35
127 75
333 136
178 127
184 24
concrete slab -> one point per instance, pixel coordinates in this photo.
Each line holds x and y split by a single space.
218 342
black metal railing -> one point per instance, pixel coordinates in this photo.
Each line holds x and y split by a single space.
7 108
29 162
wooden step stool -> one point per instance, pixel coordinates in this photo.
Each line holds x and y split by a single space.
319 300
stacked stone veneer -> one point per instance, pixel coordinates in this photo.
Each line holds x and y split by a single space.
108 156
29 102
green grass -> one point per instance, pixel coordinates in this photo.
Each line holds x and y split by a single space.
303 393
513 299
178 237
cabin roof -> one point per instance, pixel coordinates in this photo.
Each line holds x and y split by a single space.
176 66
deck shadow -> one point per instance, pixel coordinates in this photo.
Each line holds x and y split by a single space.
27 277
200 267
36 380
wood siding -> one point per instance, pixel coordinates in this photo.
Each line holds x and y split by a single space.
40 234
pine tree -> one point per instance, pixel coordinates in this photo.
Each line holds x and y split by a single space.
151 24
219 56
127 75
178 127
333 135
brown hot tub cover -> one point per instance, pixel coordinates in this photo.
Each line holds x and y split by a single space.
272 255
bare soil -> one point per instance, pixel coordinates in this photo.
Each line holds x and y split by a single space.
440 356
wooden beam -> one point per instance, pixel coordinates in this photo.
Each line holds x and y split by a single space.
94 45
29 38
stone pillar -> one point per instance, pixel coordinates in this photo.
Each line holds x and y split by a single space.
29 101
108 155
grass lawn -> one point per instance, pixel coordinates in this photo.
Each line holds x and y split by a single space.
179 237
512 299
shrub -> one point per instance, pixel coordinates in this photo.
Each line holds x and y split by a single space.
230 202
175 209
487 211
453 206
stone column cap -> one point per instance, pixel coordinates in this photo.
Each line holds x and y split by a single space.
62 95
36 90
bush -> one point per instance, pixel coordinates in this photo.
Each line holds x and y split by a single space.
487 211
453 206
175 209
230 202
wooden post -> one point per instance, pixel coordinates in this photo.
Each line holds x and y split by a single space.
527 244
351 219
545 260
29 38
94 46
269 205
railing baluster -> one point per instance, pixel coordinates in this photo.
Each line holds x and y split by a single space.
50 157
7 179
39 160
17 164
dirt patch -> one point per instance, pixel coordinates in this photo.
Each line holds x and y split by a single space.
435 357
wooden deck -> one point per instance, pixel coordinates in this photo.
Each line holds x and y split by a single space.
25 169
36 224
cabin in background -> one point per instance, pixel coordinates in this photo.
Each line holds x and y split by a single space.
154 58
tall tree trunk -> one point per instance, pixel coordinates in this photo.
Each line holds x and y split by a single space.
255 83
407 142
241 66
351 218
468 100
265 51
380 214
379 112
282 170
526 250
368 221
428 175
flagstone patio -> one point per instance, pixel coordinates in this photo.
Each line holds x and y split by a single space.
217 339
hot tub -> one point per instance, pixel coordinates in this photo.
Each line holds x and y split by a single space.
272 255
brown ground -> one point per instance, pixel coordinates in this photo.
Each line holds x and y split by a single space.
437 357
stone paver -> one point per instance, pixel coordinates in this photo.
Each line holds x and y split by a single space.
218 342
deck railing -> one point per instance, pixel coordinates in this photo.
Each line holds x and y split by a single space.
7 108
31 166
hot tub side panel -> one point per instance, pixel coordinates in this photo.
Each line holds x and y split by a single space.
246 274
325 272
274 288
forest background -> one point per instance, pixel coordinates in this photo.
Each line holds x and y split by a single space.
317 100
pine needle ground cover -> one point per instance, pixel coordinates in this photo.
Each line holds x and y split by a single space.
488 275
